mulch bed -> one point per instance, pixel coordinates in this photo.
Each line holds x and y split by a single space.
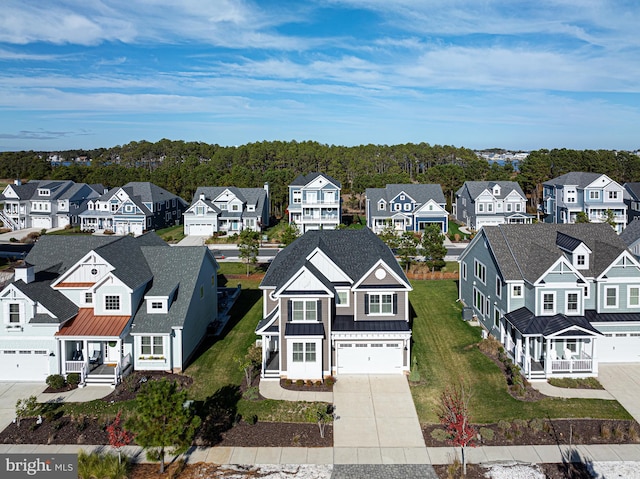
64 389
556 431
276 434
314 387
131 384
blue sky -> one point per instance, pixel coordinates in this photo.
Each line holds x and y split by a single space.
475 73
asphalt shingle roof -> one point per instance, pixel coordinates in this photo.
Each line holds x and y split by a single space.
421 194
57 303
529 324
353 251
302 180
631 233
476 188
580 179
527 251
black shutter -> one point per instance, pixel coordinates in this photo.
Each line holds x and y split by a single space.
366 304
289 310
319 312
395 304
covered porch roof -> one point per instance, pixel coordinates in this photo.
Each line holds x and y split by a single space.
528 324
87 324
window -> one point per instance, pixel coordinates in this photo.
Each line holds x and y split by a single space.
152 346
498 287
479 301
594 194
580 261
518 207
480 207
112 303
343 298
509 207
634 296
381 206
14 313
516 291
613 195
200 210
397 206
304 310
380 304
548 303
201 291
490 207
464 270
407 206
234 207
156 305
611 297
480 271
496 317
572 303
297 197
88 298
304 352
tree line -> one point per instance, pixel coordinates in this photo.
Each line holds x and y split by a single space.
181 167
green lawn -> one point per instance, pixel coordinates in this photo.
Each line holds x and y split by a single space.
172 234
446 352
454 229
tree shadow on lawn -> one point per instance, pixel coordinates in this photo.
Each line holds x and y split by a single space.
219 413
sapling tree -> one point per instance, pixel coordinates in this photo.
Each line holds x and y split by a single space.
454 416
164 421
321 413
433 247
118 435
249 362
27 407
248 246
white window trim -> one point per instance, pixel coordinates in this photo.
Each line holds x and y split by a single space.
498 287
544 312
347 302
578 310
304 352
483 269
153 344
629 287
112 296
513 291
604 299
496 321
304 310
464 270
379 296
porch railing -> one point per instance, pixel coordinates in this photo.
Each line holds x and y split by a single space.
583 363
73 366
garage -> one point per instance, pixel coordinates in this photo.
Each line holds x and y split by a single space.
40 222
369 357
200 229
24 364
623 347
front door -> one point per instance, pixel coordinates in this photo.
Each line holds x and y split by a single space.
112 352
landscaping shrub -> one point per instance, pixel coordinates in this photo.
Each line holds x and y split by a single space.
618 432
536 424
55 381
605 431
440 435
251 394
28 407
492 347
73 379
300 382
504 426
330 381
487 433
633 433
103 466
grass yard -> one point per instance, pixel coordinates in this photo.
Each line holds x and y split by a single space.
172 234
454 228
445 349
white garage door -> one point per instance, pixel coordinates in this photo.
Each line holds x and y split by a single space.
40 222
201 230
618 347
24 365
370 358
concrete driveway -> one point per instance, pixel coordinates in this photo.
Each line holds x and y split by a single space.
192 240
9 395
622 380
376 421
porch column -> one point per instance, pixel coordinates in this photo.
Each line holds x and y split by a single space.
264 355
527 357
518 354
594 358
501 332
85 352
62 349
547 360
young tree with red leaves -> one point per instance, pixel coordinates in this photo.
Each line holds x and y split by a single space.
118 435
454 416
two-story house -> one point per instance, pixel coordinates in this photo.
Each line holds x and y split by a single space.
227 209
134 208
101 306
408 207
329 311
632 200
560 298
590 193
314 202
44 204
481 203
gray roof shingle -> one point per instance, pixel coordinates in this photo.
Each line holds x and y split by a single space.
476 188
302 180
421 193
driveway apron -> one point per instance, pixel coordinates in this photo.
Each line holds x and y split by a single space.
376 421
623 382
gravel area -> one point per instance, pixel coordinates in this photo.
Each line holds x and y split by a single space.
612 470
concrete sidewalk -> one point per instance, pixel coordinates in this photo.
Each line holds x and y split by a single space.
271 389
553 391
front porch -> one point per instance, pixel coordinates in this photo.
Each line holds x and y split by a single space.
544 347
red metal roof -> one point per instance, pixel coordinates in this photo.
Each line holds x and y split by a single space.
87 324
74 285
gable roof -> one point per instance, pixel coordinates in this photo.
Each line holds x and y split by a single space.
57 303
251 196
631 233
421 193
525 252
302 180
528 323
475 188
339 246
171 268
581 179
633 189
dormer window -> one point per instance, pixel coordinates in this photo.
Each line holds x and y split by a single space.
44 192
580 260
156 305
496 190
381 206
251 207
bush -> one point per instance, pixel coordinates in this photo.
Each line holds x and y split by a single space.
251 420
300 382
73 379
96 465
330 381
487 433
536 424
251 394
504 426
440 435
55 381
